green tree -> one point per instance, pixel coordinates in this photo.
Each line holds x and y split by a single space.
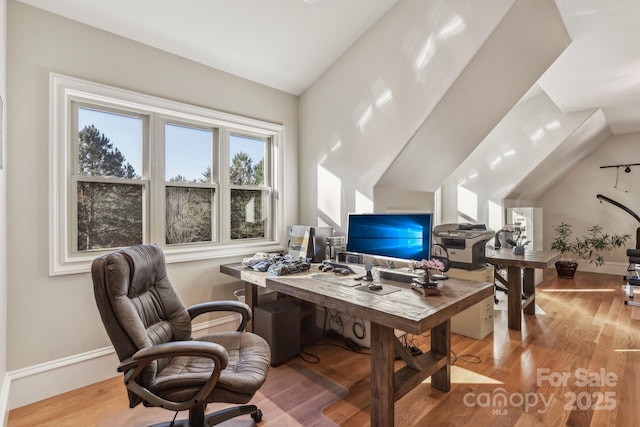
188 211
98 157
247 219
109 215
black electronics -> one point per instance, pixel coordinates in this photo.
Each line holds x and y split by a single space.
368 277
278 322
400 236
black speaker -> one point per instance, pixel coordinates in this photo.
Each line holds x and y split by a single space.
278 322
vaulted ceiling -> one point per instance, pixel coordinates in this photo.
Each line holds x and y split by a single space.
288 44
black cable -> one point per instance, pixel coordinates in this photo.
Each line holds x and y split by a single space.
174 419
361 333
465 358
313 356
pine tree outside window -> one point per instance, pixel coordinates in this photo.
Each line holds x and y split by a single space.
128 168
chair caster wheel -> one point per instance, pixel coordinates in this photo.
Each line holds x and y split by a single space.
257 416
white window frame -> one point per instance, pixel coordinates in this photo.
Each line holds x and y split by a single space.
65 90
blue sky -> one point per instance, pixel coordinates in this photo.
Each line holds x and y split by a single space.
187 150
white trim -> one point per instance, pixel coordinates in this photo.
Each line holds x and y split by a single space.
616 268
62 89
4 399
34 383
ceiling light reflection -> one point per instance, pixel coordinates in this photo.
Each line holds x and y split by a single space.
536 136
425 54
455 26
365 117
495 162
383 98
553 124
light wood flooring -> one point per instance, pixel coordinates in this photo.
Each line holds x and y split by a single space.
576 365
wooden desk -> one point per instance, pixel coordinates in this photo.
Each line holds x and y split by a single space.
403 309
520 282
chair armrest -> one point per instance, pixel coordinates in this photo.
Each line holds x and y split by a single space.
211 306
135 365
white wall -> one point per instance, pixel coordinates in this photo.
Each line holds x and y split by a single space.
4 382
532 130
357 117
53 318
573 199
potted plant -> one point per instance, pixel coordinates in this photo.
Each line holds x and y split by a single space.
586 248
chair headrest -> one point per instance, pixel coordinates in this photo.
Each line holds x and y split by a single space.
147 266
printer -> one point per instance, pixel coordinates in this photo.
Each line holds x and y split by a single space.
465 243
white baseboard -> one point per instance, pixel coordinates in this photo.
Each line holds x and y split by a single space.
615 268
4 399
34 383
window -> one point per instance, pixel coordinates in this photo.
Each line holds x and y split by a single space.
128 168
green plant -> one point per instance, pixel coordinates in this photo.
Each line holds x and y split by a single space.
588 247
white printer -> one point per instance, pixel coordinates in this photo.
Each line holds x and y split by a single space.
465 243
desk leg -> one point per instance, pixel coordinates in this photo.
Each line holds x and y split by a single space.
382 370
441 344
529 288
514 277
251 299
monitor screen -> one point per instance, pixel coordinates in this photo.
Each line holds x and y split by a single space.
403 236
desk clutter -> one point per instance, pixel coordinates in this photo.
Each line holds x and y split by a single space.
276 264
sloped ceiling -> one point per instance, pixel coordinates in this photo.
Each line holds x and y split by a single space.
524 44
288 44
284 44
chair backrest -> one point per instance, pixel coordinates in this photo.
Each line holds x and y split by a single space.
137 303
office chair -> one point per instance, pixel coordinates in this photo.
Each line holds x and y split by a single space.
151 332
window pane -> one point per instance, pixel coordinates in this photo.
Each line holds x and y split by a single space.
246 160
109 215
187 154
109 144
188 215
248 213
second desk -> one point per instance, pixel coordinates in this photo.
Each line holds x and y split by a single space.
521 288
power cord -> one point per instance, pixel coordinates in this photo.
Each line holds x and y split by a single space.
469 358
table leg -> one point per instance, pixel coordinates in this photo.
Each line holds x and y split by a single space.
251 299
382 371
441 344
514 277
529 288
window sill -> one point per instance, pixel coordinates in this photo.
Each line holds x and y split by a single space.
82 264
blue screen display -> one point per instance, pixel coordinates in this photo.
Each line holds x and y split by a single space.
403 236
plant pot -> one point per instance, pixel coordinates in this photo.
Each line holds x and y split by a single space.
566 269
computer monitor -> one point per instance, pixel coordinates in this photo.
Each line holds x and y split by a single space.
405 236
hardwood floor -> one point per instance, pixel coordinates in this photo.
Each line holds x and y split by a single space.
578 364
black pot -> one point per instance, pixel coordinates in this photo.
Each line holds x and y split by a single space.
566 269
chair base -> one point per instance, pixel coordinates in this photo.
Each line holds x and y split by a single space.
197 418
